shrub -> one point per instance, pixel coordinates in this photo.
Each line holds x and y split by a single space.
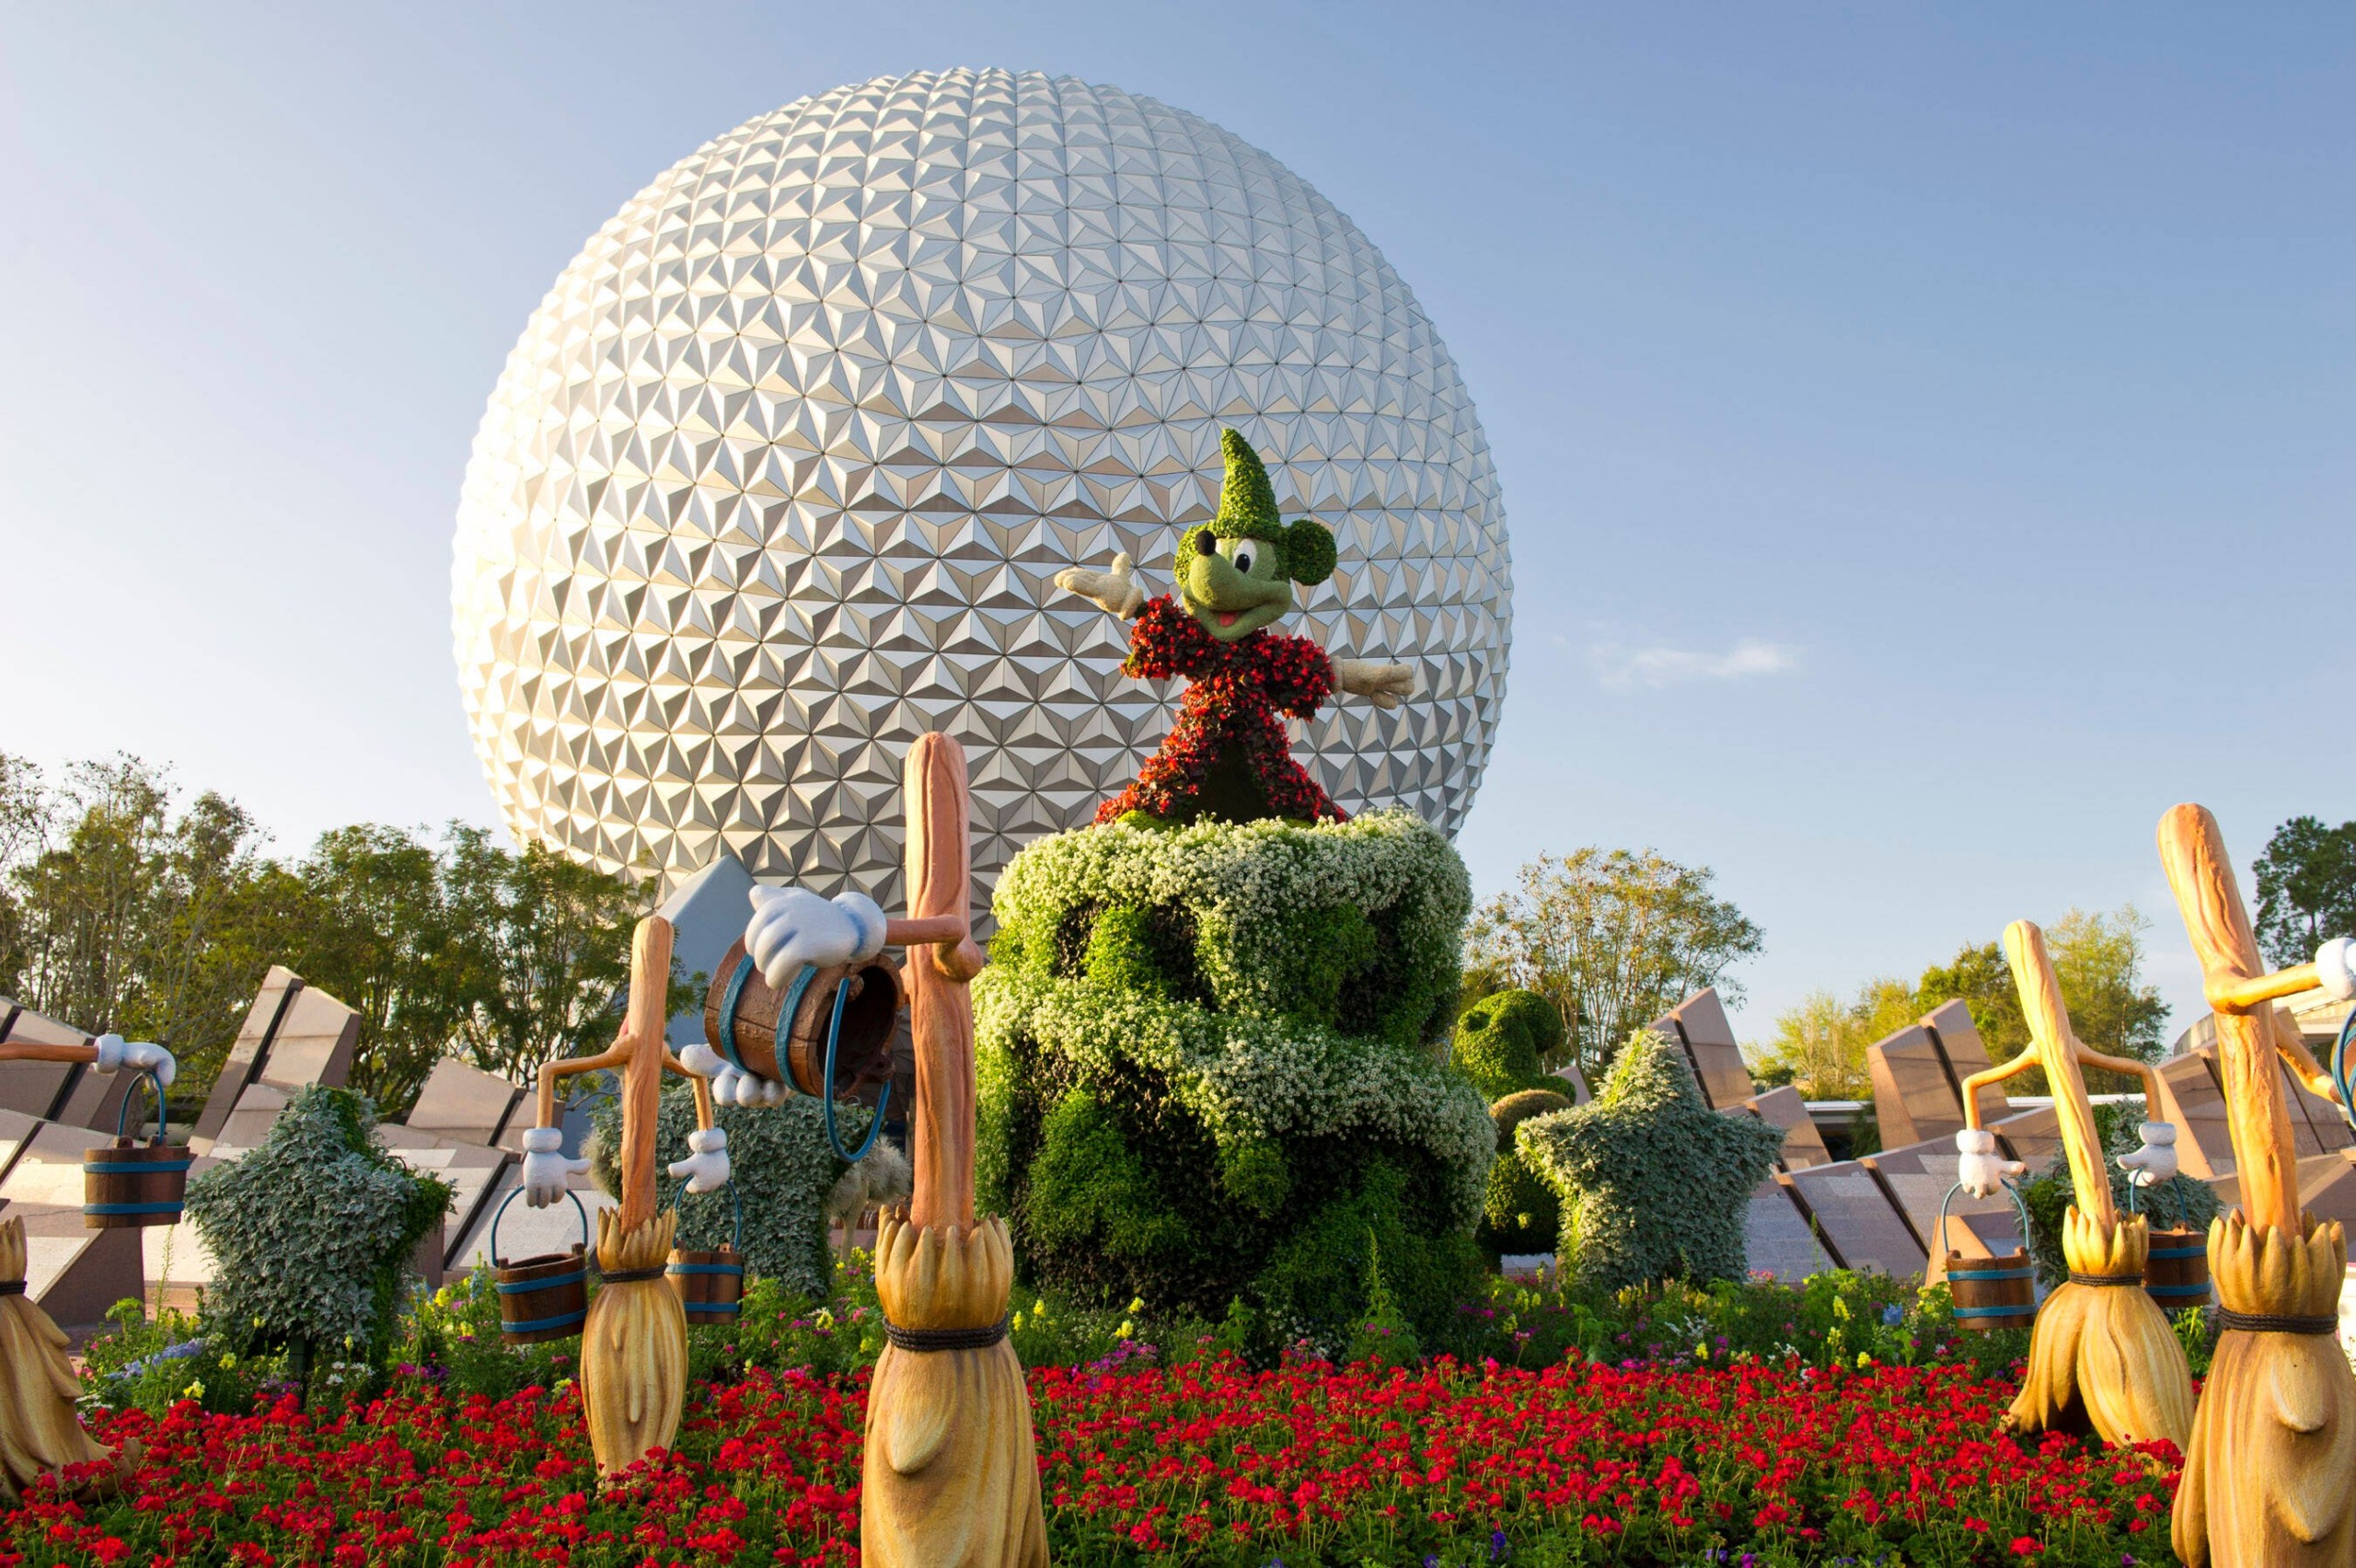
782 1168
1520 1213
311 1234
1504 1039
1655 1185
1207 1071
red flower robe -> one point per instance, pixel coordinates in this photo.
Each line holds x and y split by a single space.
1228 756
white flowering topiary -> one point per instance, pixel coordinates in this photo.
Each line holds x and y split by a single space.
1208 1066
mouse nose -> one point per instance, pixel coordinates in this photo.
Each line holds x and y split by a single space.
1205 544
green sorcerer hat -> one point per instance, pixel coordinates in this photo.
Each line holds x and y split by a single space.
1247 510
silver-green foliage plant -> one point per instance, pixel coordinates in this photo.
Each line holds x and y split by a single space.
1209 1064
783 1170
1655 1185
311 1234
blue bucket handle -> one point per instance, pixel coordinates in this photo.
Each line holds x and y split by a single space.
517 1192
122 1111
874 1123
2019 1208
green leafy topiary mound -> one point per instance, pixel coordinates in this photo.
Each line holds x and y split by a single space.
1208 1074
311 1233
1655 1185
781 1166
1502 1043
1519 1212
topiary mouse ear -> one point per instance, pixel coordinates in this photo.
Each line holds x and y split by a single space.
1309 555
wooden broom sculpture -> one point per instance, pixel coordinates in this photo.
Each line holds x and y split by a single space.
951 1474
2102 1353
41 1430
634 1346
2270 1474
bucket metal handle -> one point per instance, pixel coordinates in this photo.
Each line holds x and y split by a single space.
500 1213
122 1111
2019 1208
874 1123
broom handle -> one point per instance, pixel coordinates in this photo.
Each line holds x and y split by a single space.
2192 849
2057 1047
641 1036
46 1051
2022 1061
940 1009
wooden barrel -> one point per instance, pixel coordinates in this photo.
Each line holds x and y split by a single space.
543 1297
1992 1292
710 1285
129 1183
2175 1271
741 1015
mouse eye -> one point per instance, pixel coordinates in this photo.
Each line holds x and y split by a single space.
1243 559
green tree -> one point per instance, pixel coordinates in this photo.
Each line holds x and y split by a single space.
1820 1044
547 941
1983 981
118 914
1613 940
2098 959
2306 889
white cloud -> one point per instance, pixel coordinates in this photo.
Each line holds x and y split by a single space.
1620 666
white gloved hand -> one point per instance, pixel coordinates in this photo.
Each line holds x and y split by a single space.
705 1169
1386 686
2155 1161
792 927
730 1084
1116 592
546 1168
1980 1169
2334 971
115 1053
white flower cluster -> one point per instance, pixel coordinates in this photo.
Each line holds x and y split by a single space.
1245 1078
1245 884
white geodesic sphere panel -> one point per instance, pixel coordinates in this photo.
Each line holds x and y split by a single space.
780 474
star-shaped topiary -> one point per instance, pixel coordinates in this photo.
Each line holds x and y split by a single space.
311 1233
1655 1185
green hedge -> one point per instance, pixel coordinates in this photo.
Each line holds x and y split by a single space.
1519 1212
1210 1071
779 1164
1655 1185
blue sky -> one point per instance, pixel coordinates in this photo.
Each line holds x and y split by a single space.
1925 430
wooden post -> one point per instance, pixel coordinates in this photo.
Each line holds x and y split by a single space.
951 1475
2266 1480
2101 1354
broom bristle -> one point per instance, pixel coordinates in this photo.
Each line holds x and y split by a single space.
2266 1471
2103 1355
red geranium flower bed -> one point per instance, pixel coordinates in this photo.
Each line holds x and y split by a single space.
1205 1463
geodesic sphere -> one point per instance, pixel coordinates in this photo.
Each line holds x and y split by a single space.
780 474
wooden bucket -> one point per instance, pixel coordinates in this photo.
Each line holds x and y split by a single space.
129 1183
1992 1292
2175 1271
742 1014
710 1285
543 1297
